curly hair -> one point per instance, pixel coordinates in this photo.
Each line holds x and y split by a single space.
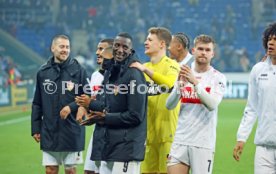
269 31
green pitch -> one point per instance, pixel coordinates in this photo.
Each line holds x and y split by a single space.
21 154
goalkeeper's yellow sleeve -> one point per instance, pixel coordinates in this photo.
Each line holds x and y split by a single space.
165 72
164 80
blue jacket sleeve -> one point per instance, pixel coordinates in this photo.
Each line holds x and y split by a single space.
36 116
98 104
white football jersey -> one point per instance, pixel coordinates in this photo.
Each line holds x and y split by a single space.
260 104
96 82
196 123
187 60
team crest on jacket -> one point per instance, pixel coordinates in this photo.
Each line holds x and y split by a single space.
70 85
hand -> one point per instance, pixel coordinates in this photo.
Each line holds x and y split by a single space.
65 112
81 113
94 117
138 66
182 81
93 97
97 116
87 122
238 150
186 74
83 100
37 137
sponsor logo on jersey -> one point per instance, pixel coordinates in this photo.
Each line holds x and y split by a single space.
173 67
263 75
188 95
262 78
96 88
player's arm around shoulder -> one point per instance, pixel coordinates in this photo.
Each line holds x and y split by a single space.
137 81
169 75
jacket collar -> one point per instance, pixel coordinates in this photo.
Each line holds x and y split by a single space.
70 65
123 66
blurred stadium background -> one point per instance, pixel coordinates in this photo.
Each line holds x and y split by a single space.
27 27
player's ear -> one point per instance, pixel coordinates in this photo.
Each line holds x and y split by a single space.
52 48
214 53
179 46
193 50
162 44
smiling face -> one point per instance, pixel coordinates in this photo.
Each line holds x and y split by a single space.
122 48
60 49
271 46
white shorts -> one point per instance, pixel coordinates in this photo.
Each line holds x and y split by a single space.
132 167
199 159
104 167
89 165
265 161
61 158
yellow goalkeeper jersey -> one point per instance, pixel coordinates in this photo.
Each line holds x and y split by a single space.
161 122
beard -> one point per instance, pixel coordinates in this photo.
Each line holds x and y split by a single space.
61 58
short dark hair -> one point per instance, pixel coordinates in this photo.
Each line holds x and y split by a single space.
108 50
183 39
109 41
125 35
269 31
162 33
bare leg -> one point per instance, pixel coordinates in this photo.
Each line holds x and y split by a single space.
179 169
71 170
89 172
51 169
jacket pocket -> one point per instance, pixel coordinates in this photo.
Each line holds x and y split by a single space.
116 135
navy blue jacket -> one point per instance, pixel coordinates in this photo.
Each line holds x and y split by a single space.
123 135
56 88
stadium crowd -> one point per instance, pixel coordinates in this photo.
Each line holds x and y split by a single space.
9 73
140 138
235 25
